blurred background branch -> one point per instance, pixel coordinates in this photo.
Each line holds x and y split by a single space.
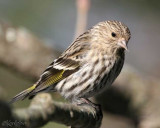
22 51
82 15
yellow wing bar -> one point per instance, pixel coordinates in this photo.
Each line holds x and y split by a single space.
54 79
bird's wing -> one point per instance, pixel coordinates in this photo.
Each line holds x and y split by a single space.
56 71
65 65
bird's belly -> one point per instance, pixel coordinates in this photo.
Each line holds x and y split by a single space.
85 84
100 86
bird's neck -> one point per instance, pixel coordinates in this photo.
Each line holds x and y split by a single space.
113 51
107 50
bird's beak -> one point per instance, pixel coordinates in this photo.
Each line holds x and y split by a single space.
123 44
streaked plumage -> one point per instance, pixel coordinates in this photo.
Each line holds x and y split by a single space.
91 63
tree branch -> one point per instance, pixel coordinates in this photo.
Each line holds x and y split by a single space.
43 109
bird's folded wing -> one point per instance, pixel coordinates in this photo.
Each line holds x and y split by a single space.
56 71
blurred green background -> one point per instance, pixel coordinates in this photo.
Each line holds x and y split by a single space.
55 21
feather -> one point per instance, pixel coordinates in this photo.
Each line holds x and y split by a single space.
57 71
22 95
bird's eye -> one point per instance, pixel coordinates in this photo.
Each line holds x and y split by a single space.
113 34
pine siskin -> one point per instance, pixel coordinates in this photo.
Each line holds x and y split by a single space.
91 63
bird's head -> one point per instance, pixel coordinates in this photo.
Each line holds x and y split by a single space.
112 34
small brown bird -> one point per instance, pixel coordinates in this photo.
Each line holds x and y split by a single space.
89 65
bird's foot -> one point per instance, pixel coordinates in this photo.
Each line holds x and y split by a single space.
83 102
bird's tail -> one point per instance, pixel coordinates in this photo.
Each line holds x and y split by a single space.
22 95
